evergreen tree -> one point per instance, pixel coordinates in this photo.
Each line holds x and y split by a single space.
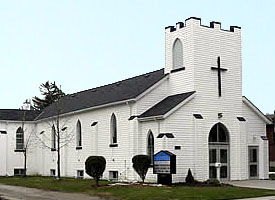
51 94
189 178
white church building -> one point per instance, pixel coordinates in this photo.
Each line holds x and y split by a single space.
193 108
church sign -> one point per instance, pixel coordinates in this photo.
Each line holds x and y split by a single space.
164 163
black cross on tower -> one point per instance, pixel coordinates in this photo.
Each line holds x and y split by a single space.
219 75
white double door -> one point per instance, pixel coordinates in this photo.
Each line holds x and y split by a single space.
219 162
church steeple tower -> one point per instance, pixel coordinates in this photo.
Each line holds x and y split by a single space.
205 59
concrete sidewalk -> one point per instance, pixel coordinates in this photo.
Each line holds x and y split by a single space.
260 198
9 192
261 184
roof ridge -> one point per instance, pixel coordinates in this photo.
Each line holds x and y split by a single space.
114 92
18 109
114 82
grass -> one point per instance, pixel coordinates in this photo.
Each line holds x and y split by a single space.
136 192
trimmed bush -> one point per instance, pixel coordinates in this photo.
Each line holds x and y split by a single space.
95 166
141 163
213 182
189 178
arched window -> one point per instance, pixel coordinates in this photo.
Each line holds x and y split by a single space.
78 134
53 146
113 129
20 139
218 134
150 145
177 54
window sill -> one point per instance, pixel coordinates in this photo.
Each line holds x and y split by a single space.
53 149
78 148
113 145
176 70
19 150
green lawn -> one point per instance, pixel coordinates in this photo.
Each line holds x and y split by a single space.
136 192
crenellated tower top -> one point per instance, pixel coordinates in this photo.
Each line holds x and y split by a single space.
197 21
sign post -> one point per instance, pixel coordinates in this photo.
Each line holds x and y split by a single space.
164 166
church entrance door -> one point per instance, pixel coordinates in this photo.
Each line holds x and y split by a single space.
253 152
219 152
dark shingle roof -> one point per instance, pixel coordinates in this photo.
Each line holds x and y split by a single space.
17 115
270 116
119 91
165 105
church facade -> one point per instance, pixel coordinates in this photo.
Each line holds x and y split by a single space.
193 108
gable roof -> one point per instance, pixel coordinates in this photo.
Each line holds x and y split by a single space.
166 105
270 116
115 92
256 110
17 115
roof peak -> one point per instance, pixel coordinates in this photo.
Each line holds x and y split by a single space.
115 83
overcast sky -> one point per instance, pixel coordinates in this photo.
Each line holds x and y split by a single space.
82 44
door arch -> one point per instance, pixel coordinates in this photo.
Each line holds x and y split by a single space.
218 142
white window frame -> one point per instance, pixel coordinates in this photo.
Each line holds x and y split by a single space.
52 172
113 129
112 177
19 137
78 174
78 134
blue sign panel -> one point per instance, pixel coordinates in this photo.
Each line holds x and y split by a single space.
164 163
162 156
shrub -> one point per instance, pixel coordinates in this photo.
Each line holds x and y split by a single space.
95 166
272 169
141 163
272 176
212 182
189 178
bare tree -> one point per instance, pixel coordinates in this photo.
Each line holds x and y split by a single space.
26 142
58 129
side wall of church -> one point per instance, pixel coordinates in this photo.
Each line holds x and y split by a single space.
192 134
256 128
152 97
95 141
10 159
181 124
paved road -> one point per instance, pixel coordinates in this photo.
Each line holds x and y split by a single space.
21 193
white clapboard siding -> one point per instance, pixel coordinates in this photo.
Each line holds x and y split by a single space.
201 46
256 128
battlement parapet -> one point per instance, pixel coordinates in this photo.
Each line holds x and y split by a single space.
195 21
